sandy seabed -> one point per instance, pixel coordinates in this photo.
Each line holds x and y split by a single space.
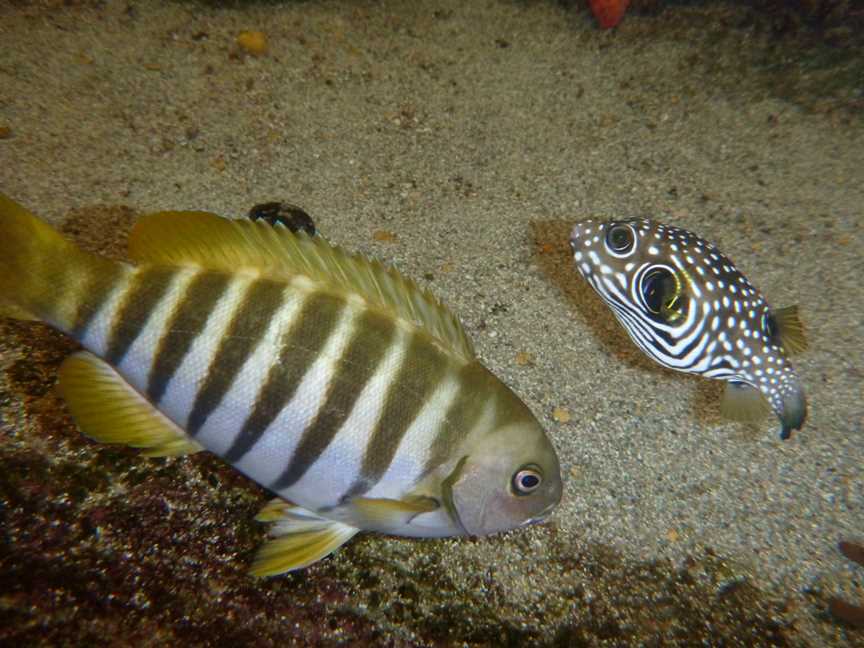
458 141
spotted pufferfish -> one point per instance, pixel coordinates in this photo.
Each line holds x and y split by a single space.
688 308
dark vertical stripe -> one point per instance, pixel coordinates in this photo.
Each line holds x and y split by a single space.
92 295
185 324
372 337
415 383
299 347
472 397
248 326
146 288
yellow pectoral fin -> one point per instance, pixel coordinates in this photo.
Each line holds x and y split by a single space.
379 511
109 410
743 403
301 538
790 329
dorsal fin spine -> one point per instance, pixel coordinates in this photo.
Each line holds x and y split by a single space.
208 241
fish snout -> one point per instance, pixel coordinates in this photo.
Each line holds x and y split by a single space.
580 244
578 233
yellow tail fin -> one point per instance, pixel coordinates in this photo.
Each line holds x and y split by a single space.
42 275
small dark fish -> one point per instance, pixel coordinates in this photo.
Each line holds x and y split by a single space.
282 213
687 307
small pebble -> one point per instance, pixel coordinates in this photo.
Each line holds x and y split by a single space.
848 613
853 551
561 415
253 42
384 236
523 358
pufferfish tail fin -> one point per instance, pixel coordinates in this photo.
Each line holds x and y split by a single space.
790 329
42 275
300 538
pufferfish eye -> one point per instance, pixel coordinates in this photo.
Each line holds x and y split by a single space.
526 480
655 287
619 239
662 293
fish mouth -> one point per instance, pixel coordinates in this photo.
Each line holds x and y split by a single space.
576 232
540 517
580 239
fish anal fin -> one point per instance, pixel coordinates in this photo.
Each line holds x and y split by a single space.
790 329
300 538
378 511
744 403
204 240
8 309
109 410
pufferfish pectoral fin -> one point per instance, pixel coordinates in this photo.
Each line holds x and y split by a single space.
790 329
300 538
744 403
109 410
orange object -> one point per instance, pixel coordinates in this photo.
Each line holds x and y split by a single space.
253 42
608 12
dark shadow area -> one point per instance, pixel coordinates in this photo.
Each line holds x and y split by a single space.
552 253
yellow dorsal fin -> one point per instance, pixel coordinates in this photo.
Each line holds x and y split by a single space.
205 240
744 403
300 539
108 409
790 329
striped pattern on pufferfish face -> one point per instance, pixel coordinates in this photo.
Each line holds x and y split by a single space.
686 306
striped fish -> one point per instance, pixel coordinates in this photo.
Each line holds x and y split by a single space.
332 381
688 308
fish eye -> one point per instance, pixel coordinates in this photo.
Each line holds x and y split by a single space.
619 239
654 288
526 480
